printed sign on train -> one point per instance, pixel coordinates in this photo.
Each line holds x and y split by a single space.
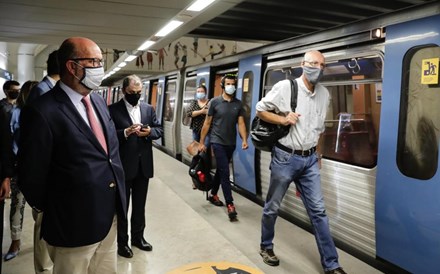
430 71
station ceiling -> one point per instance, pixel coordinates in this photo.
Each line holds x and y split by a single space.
126 24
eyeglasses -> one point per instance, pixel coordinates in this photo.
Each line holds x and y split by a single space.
95 61
316 64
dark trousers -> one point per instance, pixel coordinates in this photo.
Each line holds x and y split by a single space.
138 188
223 155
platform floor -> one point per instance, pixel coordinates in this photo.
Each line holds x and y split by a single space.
185 229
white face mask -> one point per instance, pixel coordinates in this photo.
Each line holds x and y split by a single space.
230 89
92 77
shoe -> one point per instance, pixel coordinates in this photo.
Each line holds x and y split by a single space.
338 270
232 213
215 200
269 257
125 251
142 244
11 255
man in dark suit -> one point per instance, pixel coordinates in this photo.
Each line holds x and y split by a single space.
49 80
69 165
6 168
136 126
42 261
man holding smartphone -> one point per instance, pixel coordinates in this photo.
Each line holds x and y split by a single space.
136 127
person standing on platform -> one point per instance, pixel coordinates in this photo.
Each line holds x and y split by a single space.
197 110
42 261
69 165
11 88
6 168
18 202
136 127
224 112
49 80
295 158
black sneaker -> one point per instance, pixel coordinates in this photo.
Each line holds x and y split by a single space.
338 270
232 213
269 257
215 200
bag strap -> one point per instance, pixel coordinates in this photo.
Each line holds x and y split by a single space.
294 96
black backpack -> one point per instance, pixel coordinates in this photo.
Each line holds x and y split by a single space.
200 172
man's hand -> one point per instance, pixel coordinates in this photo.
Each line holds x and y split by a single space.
133 129
5 188
291 119
144 132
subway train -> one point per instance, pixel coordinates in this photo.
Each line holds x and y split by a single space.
381 143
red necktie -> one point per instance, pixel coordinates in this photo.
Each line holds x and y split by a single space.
94 124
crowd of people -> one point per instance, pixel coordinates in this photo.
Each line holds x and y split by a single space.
78 162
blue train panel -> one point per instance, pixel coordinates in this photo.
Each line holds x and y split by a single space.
408 179
248 92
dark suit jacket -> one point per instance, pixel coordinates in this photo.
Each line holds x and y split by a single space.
6 153
134 149
42 87
64 171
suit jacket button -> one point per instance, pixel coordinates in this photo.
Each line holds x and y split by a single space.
110 160
112 184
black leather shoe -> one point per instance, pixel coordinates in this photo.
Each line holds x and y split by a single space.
142 245
125 251
338 270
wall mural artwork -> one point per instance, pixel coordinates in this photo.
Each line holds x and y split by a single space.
186 51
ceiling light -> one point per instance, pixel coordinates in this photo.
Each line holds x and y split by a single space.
146 45
117 69
130 58
200 5
123 64
172 25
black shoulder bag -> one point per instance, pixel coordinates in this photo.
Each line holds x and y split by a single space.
264 135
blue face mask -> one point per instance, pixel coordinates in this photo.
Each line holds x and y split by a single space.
200 95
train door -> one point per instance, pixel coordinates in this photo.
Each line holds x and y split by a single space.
145 92
247 91
189 92
157 91
408 177
169 115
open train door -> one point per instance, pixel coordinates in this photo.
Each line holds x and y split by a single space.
248 89
408 177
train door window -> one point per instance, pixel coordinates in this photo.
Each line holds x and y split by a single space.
352 119
153 101
419 124
247 85
188 95
170 99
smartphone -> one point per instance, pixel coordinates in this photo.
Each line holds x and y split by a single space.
145 126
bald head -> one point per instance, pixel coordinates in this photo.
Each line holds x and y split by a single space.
77 47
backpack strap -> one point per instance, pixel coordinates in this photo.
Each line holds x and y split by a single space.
294 96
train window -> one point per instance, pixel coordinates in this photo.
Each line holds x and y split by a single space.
247 84
170 100
188 95
419 123
352 121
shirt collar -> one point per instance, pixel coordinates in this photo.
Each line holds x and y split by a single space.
74 96
52 81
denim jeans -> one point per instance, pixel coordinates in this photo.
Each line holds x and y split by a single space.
223 155
196 137
286 168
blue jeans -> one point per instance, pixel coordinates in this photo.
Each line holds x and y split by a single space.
286 168
196 137
223 155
